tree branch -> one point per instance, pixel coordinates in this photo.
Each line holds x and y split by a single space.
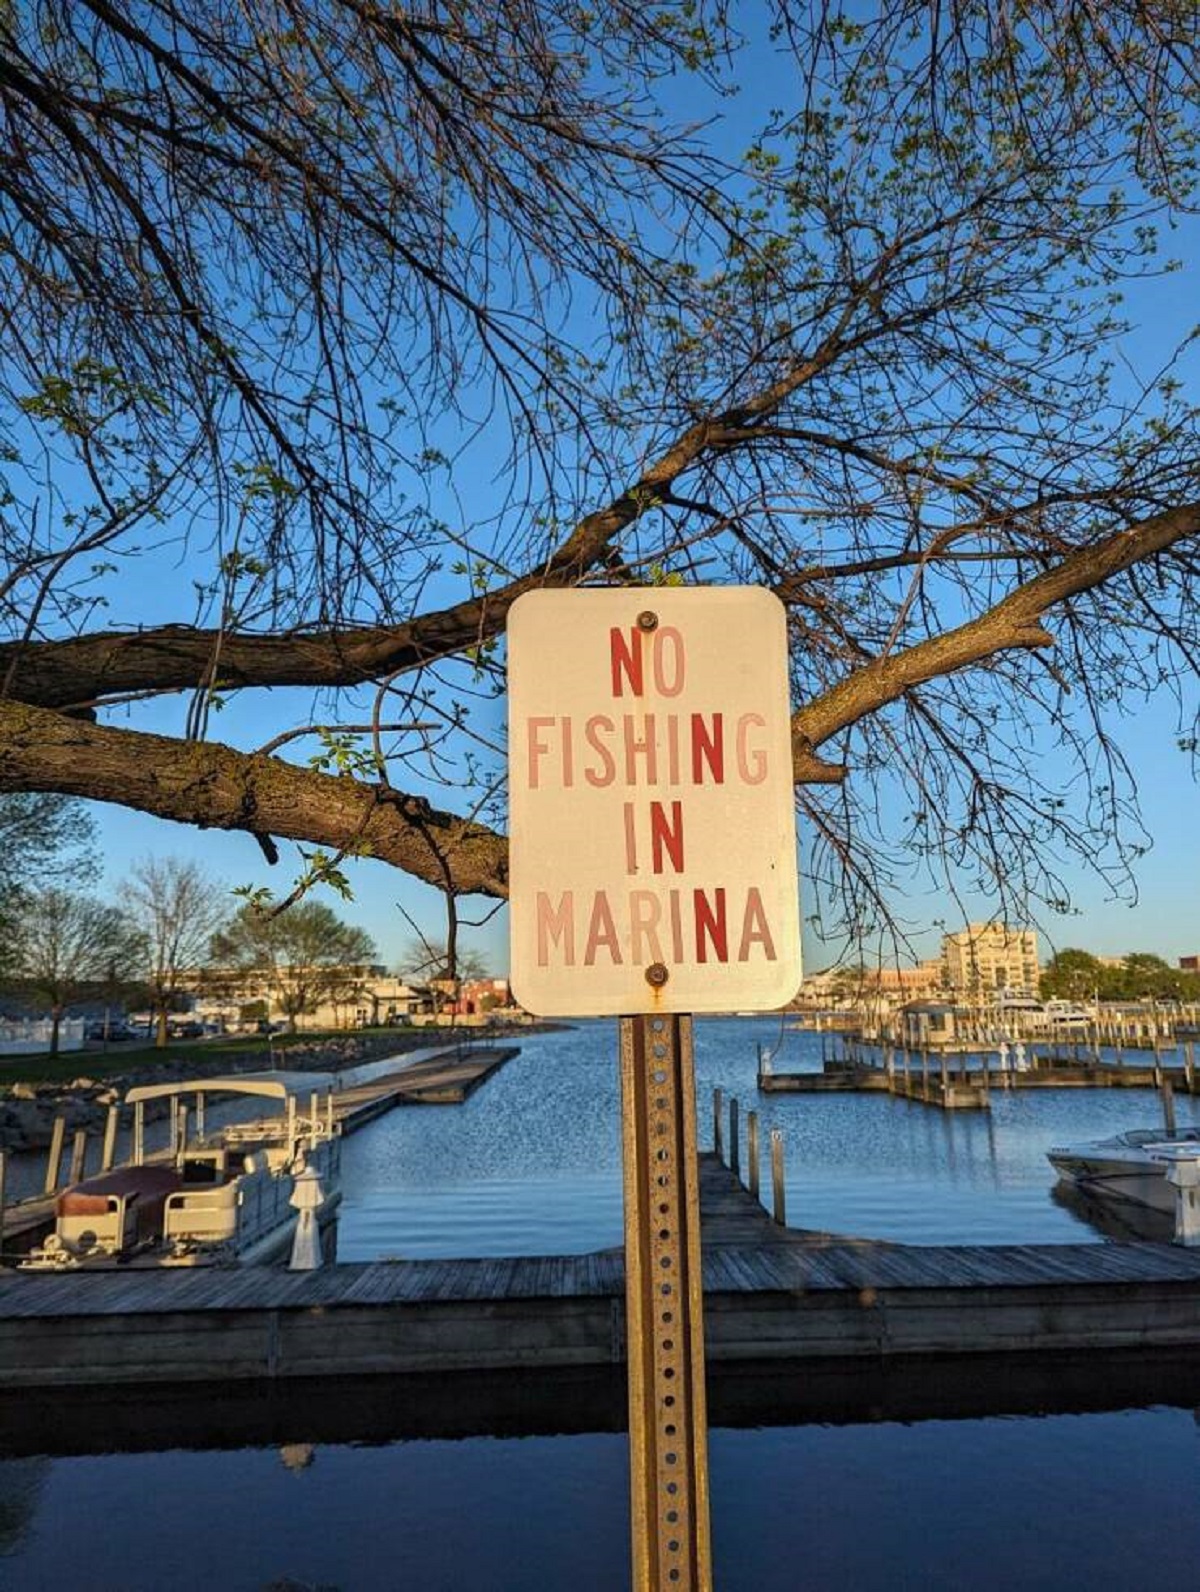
214 786
1015 621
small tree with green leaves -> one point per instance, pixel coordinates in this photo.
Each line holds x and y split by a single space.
305 956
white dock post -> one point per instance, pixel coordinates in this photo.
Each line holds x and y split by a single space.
139 1132
1185 1175
307 1196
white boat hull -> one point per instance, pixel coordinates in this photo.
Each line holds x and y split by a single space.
1117 1180
1130 1166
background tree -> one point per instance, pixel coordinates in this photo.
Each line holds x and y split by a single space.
306 955
870 354
179 909
1072 974
44 839
68 947
442 969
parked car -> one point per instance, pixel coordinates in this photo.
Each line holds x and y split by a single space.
117 1033
187 1029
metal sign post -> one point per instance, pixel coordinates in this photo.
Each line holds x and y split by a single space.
653 875
664 1321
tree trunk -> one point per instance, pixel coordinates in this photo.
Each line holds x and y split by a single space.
160 1036
55 1020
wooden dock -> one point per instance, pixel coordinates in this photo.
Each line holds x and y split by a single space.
943 1078
770 1295
446 1079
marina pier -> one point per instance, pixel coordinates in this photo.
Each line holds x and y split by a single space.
770 1294
963 1075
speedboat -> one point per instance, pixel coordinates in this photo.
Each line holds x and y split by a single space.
224 1198
1131 1165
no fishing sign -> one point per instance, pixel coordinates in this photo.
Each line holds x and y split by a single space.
652 817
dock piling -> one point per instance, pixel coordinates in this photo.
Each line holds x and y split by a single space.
54 1160
719 1123
78 1155
109 1147
752 1152
1167 1092
139 1132
778 1196
735 1159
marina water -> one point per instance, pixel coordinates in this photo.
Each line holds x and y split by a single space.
531 1164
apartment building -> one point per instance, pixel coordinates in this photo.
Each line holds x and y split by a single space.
986 957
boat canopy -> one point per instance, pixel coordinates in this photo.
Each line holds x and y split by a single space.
272 1085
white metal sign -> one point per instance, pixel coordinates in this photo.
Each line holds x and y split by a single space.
652 818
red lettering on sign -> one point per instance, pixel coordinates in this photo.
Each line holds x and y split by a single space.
630 839
755 930
607 772
537 748
557 924
708 746
645 745
645 910
626 659
710 923
666 836
602 931
667 638
752 766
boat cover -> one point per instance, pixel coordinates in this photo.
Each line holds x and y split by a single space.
272 1085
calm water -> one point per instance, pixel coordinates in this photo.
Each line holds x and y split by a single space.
532 1163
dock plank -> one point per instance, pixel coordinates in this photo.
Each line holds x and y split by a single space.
769 1291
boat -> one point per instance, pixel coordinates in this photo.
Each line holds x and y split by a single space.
219 1199
1066 1014
1131 1165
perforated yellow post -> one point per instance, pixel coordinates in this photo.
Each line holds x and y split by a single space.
668 1425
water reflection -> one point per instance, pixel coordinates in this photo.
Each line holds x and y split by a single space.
1029 1502
21 1482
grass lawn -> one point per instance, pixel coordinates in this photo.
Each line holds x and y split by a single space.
121 1058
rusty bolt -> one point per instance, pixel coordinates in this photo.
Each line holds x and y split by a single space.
656 975
647 620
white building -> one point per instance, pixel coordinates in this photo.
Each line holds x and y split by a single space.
986 957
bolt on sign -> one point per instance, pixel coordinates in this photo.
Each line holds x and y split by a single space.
652 815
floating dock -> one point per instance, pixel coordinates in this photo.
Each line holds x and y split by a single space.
771 1294
944 1078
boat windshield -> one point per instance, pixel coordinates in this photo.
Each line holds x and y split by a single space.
1141 1136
